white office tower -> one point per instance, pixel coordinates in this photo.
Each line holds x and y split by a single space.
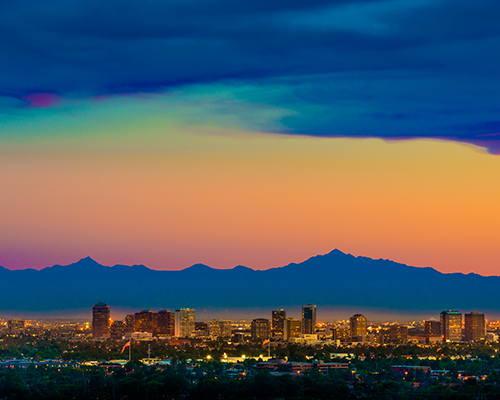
184 322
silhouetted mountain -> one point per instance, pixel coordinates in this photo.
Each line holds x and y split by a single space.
335 279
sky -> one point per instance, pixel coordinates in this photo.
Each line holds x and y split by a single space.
168 133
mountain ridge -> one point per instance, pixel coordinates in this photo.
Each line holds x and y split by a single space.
332 280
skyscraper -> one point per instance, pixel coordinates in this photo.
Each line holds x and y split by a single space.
475 326
308 319
398 333
432 327
261 328
164 323
101 321
451 326
293 328
184 322
357 325
144 321
118 329
278 323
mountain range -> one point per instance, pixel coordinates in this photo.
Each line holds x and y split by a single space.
334 281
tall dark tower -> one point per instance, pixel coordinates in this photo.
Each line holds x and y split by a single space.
308 319
278 323
475 326
101 321
357 324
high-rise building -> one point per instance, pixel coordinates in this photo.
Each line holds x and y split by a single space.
144 321
118 329
184 322
432 327
219 328
398 333
101 321
293 328
451 326
15 326
201 329
165 323
261 328
341 333
357 325
308 319
475 326
130 322
278 323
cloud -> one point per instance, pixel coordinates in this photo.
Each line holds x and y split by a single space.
388 69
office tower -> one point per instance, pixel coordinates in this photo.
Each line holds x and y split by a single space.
184 322
130 322
219 329
201 329
432 327
357 325
451 326
100 321
308 319
118 329
398 333
261 328
475 326
278 323
144 321
341 333
165 323
293 328
15 326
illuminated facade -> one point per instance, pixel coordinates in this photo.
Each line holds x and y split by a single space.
15 326
398 333
261 328
144 321
219 329
475 326
101 321
432 327
184 322
118 329
451 326
164 321
308 319
341 333
357 325
278 323
130 322
201 329
293 328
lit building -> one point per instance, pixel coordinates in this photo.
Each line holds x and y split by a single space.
451 326
219 329
164 323
184 322
398 333
101 321
475 326
144 321
15 326
308 319
341 333
278 323
293 328
201 329
261 328
432 327
357 325
130 322
118 329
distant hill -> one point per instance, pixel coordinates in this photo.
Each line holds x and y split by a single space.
334 280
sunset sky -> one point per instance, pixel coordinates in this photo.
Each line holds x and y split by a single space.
254 133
